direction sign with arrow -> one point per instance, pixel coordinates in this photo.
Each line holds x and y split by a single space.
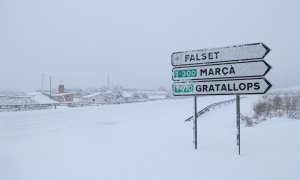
222 87
233 70
219 71
216 55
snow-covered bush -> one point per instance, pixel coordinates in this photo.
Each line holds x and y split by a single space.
277 106
261 108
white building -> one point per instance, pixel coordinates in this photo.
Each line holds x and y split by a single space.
97 98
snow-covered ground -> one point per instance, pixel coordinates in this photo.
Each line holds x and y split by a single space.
40 98
146 141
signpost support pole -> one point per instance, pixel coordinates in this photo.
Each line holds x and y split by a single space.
195 122
238 123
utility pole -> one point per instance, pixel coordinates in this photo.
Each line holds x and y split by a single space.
50 89
42 82
108 81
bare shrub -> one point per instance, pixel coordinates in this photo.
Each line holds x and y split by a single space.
287 104
277 106
261 108
294 115
294 104
277 102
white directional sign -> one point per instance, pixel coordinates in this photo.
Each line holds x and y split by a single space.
224 54
222 87
219 71
233 70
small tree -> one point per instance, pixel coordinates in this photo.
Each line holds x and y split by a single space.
287 103
294 104
277 102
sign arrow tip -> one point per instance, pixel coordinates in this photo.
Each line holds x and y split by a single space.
266 48
269 67
269 85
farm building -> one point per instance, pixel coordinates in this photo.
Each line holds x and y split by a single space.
61 96
98 98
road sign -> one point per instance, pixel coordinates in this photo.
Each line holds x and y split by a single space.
222 87
231 70
218 71
224 54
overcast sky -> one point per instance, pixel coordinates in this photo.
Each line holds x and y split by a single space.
80 42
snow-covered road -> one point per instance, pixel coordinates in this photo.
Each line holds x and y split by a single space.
145 141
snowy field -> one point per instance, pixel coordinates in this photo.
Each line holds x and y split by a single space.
146 141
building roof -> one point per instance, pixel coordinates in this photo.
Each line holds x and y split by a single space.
95 94
60 94
56 94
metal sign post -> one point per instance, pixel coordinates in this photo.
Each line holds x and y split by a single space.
238 123
195 121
